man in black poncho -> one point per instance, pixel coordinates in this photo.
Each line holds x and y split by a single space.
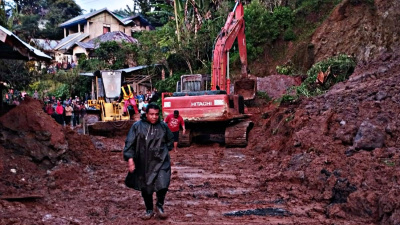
147 149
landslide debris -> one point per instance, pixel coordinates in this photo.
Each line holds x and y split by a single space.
32 149
341 149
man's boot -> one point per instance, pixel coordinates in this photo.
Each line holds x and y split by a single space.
148 215
160 212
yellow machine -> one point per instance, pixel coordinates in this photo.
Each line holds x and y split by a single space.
109 111
105 114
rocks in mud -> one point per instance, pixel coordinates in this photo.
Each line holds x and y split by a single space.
389 207
381 95
369 137
342 190
346 133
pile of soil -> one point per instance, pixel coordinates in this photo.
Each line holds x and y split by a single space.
340 149
36 156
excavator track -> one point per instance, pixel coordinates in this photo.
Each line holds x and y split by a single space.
185 140
237 134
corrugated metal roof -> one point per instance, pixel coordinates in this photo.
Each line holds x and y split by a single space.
143 21
85 45
131 69
87 74
117 36
36 53
83 18
71 39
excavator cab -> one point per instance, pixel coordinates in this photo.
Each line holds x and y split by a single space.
193 82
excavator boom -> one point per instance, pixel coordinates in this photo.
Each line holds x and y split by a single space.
233 28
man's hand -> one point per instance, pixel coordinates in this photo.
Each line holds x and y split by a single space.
131 165
184 131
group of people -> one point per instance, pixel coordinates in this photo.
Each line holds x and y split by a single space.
65 111
53 68
14 97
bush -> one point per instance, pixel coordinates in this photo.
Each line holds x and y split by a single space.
340 68
263 95
289 35
286 70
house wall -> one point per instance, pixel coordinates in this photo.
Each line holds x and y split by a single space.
58 56
78 50
97 22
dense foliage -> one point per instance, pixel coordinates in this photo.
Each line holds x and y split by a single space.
336 69
16 73
116 54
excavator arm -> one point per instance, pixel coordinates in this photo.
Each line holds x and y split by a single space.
233 28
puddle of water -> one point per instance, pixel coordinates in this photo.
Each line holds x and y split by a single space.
208 176
260 212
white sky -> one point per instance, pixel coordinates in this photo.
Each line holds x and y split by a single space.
99 4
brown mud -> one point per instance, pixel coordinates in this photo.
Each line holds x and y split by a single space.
333 159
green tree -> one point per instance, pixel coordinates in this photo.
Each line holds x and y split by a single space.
29 26
3 16
30 7
115 54
16 73
59 11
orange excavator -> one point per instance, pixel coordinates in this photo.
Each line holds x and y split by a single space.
216 115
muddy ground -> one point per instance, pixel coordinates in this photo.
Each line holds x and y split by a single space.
332 159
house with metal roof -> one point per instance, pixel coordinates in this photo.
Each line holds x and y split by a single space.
101 24
102 21
88 47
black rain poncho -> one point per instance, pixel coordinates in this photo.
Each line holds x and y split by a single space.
148 144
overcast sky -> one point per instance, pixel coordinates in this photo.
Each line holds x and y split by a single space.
99 4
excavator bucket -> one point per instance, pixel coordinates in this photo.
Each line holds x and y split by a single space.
246 87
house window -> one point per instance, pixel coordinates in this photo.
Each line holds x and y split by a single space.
106 28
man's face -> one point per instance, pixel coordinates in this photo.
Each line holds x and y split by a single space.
152 115
176 115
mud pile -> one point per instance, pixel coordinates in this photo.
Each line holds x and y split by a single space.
32 144
341 150
364 29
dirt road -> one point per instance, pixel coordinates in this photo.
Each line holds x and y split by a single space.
210 185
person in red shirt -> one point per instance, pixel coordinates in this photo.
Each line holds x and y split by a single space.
59 113
174 122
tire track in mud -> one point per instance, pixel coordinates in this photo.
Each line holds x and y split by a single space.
210 182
